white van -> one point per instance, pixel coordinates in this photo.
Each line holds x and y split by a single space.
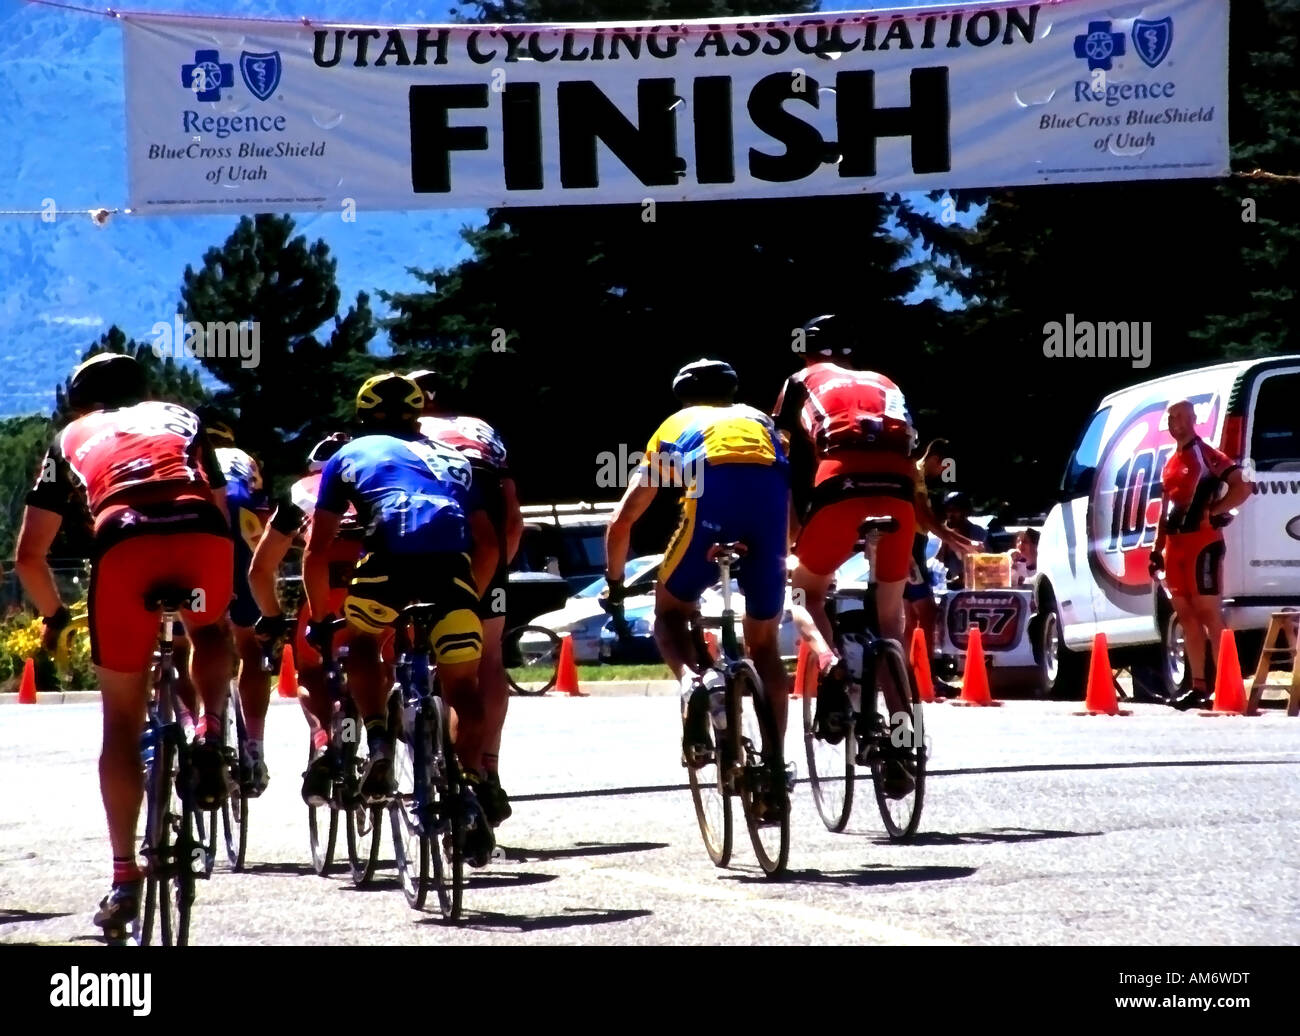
1093 555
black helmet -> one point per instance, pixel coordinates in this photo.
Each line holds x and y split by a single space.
826 335
387 398
707 380
106 380
427 380
325 449
957 499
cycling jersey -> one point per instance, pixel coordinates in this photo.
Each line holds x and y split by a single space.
292 517
412 496
1191 479
147 453
734 434
246 505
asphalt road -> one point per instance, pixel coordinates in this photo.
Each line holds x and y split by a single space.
1040 827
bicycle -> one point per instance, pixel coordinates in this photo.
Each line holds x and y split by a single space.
233 814
429 814
532 667
173 856
730 764
364 820
872 740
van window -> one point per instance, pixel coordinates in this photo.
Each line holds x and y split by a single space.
1077 480
1275 438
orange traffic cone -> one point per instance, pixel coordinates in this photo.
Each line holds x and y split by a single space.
975 678
567 681
1229 691
711 642
919 657
27 687
1101 699
801 671
287 684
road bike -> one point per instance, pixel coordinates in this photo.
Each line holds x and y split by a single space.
233 814
731 763
885 745
430 816
363 820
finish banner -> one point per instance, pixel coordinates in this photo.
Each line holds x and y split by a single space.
233 115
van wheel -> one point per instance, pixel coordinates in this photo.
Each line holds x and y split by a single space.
1175 672
1060 670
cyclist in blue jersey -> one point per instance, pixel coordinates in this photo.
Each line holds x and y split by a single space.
427 538
728 460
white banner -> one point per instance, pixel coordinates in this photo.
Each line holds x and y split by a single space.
229 115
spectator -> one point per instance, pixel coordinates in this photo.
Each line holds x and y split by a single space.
956 507
1024 558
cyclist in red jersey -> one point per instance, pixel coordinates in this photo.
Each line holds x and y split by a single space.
1189 540
290 525
156 497
850 443
482 446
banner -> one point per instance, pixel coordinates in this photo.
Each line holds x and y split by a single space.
232 115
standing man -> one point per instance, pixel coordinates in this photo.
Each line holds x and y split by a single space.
486 453
1199 487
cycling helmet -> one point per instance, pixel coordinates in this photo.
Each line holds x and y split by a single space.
388 397
427 380
957 499
219 433
325 449
826 335
106 380
706 380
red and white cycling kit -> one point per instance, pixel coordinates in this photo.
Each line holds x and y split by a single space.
1193 553
851 441
147 476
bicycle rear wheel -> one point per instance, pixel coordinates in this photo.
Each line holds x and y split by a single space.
177 853
364 822
322 830
898 746
445 818
711 798
234 813
760 776
830 767
206 824
532 658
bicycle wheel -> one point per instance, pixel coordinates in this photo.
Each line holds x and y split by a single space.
759 775
234 813
180 855
410 841
322 841
897 744
446 816
532 658
830 767
153 847
364 822
712 801
206 823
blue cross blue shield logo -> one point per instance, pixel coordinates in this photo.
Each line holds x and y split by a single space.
1099 45
261 73
208 76
1151 40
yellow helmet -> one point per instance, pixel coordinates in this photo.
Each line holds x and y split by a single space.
388 396
219 433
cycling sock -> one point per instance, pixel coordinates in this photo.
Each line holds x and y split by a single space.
207 726
125 869
256 728
320 740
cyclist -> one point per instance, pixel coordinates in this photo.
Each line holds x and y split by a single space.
157 499
290 524
427 537
851 440
246 508
729 460
483 447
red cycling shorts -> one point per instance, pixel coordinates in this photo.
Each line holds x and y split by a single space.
1194 563
123 632
827 540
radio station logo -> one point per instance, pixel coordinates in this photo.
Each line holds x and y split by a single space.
261 73
1152 39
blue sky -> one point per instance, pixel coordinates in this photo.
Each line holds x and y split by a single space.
64 139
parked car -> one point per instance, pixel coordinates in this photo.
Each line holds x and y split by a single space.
566 540
1092 557
582 615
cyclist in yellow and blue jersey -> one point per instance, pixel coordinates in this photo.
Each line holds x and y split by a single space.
728 460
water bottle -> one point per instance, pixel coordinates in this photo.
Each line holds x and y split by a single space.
853 658
716 685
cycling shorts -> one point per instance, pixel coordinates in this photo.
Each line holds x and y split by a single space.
195 553
1194 563
745 502
243 609
384 584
